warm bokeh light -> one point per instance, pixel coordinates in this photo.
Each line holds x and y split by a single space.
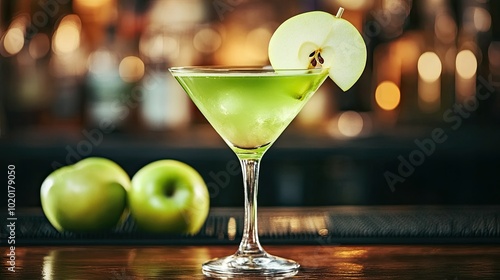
39 46
387 95
159 46
231 228
101 62
207 40
354 4
131 69
350 123
13 41
292 224
429 96
445 28
316 109
429 70
407 50
429 66
397 7
244 46
481 19
92 4
67 36
256 44
178 13
466 64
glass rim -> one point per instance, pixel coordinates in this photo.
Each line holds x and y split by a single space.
241 69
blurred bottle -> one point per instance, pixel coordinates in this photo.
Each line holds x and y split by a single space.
168 39
67 68
164 105
106 91
31 96
66 86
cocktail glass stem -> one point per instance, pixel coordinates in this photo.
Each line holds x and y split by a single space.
250 245
250 258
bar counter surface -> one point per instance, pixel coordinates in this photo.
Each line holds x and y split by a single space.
378 242
452 262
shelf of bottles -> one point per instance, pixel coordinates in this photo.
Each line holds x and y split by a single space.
66 65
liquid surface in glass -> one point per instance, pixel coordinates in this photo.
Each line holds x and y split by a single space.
251 109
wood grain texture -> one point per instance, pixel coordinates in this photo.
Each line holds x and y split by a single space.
451 262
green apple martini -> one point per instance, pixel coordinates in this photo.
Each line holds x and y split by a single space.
250 108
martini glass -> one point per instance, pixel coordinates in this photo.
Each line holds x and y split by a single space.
249 108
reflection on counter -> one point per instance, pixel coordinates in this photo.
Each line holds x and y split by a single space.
317 261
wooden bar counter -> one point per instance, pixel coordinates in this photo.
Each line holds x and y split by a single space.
445 243
317 262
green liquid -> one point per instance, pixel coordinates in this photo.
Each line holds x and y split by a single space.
250 111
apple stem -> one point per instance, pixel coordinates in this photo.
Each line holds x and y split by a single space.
340 12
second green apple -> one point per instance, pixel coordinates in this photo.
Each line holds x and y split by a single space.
169 196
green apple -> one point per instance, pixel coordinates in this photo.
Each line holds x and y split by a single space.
169 196
319 39
90 195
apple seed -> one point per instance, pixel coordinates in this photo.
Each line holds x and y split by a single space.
316 58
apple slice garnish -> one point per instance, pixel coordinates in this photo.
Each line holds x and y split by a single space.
320 40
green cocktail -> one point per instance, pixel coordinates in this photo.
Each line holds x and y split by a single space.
249 108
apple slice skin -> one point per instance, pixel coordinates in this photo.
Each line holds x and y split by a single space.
87 196
169 196
340 43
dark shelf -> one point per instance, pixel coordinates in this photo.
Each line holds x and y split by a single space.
299 170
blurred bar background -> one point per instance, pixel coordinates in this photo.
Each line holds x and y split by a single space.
83 78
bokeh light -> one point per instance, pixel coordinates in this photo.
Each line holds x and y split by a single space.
354 4
445 28
427 95
387 95
13 41
350 123
429 67
231 228
466 64
482 19
39 46
101 62
207 40
92 4
316 109
67 36
257 41
131 69
157 46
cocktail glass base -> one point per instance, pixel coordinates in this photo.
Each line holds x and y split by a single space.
260 265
